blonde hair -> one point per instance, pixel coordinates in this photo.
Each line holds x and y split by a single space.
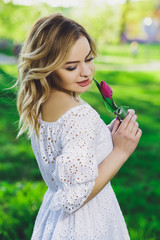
46 49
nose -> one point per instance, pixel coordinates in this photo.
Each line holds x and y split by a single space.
85 70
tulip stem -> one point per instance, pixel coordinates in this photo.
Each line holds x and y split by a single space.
97 83
109 101
121 111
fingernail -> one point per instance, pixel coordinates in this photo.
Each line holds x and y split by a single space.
117 118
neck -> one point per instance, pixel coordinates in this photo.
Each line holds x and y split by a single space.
65 92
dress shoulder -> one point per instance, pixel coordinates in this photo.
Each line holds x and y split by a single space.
75 114
76 167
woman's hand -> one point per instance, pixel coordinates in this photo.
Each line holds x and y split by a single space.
111 125
126 134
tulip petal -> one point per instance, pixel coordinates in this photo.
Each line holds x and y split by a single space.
105 89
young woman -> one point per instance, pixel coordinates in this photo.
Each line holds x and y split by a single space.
76 152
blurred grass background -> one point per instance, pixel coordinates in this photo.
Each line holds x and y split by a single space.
136 184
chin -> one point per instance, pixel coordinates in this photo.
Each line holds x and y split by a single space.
84 89
78 89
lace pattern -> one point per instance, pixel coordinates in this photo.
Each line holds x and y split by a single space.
68 153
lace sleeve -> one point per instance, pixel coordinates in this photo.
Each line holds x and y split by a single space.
76 168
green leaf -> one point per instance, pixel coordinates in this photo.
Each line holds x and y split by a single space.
122 112
110 105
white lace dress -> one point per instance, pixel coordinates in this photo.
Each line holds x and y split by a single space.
68 153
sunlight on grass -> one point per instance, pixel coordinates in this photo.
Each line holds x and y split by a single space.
145 51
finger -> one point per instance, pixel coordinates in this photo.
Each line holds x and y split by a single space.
135 128
125 122
131 111
111 125
116 126
131 124
139 133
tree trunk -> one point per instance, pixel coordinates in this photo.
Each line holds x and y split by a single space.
125 11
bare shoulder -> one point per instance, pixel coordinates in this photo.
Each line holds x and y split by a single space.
56 105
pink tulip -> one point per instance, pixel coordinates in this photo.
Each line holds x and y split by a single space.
105 89
106 93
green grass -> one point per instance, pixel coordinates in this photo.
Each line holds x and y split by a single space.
145 51
136 184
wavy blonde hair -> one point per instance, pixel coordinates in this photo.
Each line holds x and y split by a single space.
46 49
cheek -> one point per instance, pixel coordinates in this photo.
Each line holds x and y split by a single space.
70 76
91 66
62 76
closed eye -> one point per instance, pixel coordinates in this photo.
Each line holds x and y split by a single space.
71 68
89 59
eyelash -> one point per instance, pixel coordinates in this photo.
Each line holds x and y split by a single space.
87 60
90 59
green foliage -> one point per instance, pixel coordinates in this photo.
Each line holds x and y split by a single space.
137 12
16 25
19 203
16 20
104 22
132 16
100 21
136 184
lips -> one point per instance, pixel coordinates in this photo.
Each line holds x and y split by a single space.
84 83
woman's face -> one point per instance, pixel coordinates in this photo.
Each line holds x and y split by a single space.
76 74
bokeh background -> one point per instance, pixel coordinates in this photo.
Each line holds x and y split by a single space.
128 40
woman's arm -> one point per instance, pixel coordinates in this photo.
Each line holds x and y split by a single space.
125 135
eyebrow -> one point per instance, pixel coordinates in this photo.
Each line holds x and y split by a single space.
78 61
